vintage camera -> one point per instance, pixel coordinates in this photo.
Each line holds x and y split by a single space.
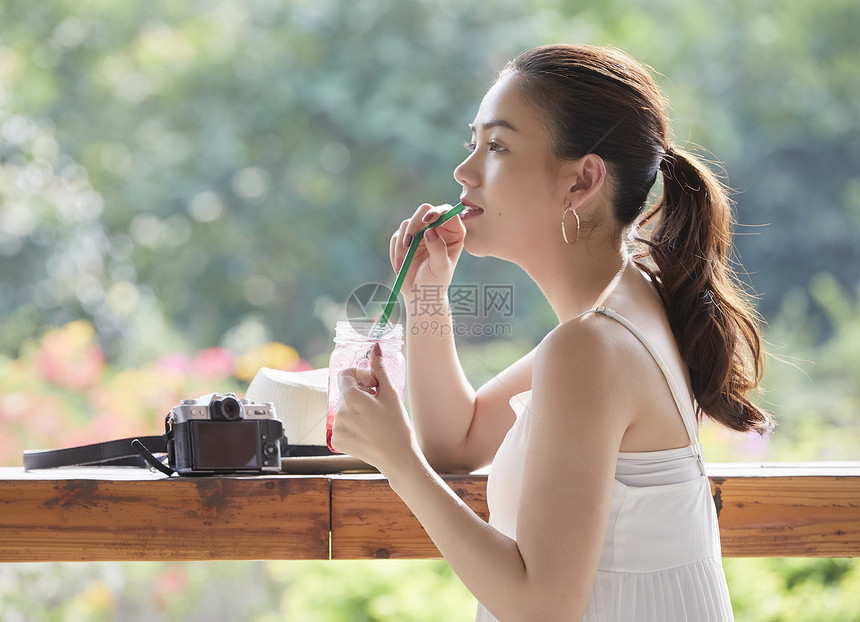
220 433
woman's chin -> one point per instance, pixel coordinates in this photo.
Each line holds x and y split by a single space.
474 248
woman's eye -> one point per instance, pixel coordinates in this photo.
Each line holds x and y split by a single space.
492 146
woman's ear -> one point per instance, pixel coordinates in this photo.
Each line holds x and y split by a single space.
583 181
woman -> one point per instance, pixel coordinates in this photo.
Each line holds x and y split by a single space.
600 507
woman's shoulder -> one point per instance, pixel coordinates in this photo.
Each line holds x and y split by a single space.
582 378
596 351
585 334
581 351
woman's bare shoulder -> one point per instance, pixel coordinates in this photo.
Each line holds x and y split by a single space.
596 363
586 338
580 356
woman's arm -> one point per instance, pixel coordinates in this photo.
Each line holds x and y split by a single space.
546 573
458 428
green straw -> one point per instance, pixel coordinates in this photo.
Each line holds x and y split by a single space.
401 275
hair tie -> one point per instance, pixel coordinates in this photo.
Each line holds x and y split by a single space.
668 157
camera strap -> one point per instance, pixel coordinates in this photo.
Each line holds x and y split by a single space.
121 452
138 451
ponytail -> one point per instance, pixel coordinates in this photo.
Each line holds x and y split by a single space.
710 315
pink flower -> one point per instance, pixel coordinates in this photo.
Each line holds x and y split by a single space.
70 357
174 364
755 446
171 584
10 450
30 421
213 363
302 365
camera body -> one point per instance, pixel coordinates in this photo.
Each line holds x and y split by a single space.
221 433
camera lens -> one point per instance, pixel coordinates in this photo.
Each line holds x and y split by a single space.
226 408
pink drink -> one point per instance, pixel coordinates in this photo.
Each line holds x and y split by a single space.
352 349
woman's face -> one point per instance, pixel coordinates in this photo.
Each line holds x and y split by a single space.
506 178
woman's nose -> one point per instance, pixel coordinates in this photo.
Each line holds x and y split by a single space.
466 174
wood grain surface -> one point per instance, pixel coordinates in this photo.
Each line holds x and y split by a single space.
788 516
798 510
369 521
187 519
802 510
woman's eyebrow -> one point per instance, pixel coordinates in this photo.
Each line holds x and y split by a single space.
494 123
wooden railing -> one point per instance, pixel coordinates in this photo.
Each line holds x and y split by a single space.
802 510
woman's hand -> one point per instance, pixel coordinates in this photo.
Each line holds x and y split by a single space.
371 422
436 257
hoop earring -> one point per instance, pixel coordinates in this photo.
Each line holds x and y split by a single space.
564 231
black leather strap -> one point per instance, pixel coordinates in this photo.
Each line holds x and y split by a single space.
110 453
294 451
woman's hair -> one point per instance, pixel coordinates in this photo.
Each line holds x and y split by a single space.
602 101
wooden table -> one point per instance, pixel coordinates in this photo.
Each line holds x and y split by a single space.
82 514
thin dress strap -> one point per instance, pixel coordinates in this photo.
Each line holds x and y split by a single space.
682 402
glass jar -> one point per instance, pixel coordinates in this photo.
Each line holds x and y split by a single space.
353 349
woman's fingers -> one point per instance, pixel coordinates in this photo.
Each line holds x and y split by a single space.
403 236
366 380
397 251
442 247
371 422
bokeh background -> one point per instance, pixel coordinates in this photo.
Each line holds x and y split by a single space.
190 191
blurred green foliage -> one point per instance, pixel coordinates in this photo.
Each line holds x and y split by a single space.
307 591
810 382
216 173
794 590
763 590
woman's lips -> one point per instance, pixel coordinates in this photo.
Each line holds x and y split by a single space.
471 210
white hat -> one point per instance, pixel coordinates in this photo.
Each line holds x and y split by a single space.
300 399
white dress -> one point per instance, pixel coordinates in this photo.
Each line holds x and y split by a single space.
661 559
